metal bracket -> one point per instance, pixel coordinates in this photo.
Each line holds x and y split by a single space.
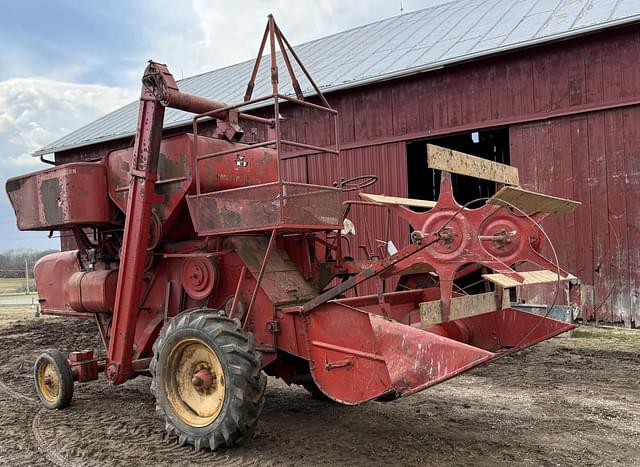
273 326
347 362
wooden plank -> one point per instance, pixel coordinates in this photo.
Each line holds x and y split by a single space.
530 201
395 200
530 277
583 217
462 307
464 164
632 202
617 180
602 283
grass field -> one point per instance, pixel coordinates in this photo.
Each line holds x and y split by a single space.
12 313
15 286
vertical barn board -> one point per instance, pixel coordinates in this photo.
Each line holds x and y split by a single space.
542 88
425 103
439 101
612 68
345 118
500 86
512 104
454 107
584 245
493 91
619 258
632 203
566 223
522 151
322 169
288 126
319 128
560 228
388 161
527 88
629 46
469 96
559 78
372 113
576 76
550 149
599 215
483 90
295 170
594 84
406 114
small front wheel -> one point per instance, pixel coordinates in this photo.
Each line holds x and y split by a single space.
53 379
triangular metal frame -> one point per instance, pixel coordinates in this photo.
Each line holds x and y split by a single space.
274 33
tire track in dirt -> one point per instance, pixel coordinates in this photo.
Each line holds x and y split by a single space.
15 394
47 449
119 426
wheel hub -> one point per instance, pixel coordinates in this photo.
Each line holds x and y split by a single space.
195 385
203 379
48 381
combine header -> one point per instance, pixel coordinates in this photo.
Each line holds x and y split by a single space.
205 268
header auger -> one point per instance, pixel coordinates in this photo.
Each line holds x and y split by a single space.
205 268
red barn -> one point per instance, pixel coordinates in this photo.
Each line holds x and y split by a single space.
549 86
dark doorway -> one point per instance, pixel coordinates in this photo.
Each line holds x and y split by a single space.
424 183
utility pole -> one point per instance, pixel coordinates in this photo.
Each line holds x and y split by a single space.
26 273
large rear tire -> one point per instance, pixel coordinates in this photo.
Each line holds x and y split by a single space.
207 379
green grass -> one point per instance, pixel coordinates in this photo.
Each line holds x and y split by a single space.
627 336
15 286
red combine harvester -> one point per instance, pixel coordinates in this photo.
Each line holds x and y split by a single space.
205 268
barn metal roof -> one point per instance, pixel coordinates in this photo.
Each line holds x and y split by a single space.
410 43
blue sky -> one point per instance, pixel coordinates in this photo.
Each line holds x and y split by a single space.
66 63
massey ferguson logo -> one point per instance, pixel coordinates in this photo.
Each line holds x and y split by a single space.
241 161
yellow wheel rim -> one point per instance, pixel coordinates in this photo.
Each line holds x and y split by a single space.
195 382
48 381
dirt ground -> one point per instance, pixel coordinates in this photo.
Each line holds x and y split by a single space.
568 401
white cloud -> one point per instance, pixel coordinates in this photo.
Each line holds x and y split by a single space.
36 111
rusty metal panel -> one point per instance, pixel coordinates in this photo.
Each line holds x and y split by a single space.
59 197
282 280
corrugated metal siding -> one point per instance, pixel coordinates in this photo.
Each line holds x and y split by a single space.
595 159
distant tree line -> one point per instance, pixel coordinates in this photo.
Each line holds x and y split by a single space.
12 262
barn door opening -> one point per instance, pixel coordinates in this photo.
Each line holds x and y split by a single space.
424 183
